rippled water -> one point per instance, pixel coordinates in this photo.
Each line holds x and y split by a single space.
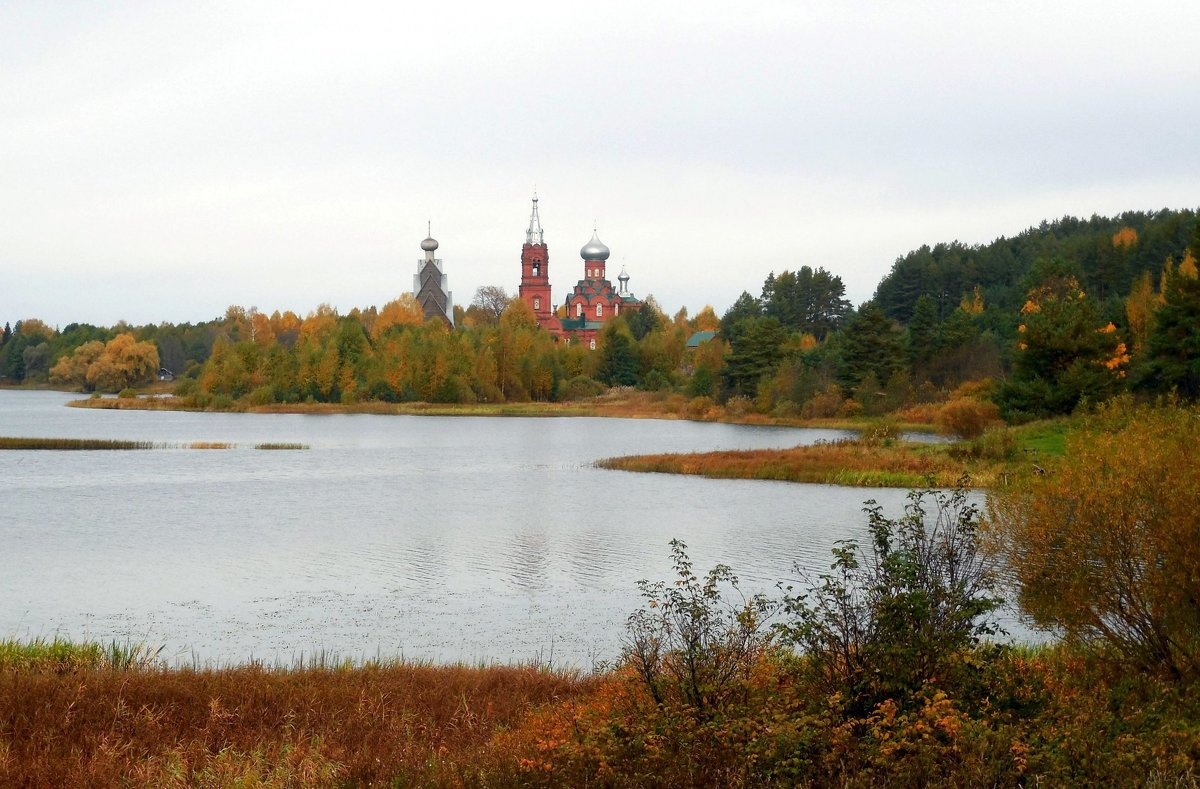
448 538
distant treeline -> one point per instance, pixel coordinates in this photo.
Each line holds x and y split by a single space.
1067 312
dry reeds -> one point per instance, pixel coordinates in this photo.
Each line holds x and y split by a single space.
72 443
280 445
854 463
210 445
365 725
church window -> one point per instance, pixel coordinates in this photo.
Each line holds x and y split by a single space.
599 310
537 303
536 269
578 309
617 309
593 345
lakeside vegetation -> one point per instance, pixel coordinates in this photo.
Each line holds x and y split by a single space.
1068 312
878 458
882 670
90 444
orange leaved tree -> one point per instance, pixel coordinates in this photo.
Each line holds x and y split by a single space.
1104 547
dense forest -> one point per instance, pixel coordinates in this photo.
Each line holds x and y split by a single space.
1067 312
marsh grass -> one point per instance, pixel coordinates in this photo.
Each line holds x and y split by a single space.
60 655
856 463
70 444
73 443
75 715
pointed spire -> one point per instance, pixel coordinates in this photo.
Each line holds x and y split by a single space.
534 234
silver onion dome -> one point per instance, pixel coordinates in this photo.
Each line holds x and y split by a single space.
429 244
594 249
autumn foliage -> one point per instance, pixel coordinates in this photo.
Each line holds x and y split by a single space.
1104 546
120 363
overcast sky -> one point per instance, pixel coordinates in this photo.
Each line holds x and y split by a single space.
161 161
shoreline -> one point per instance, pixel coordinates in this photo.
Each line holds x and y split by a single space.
605 407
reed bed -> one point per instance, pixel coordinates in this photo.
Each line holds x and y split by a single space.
59 655
73 443
69 444
855 463
379 723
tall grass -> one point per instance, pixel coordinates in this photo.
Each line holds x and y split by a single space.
326 723
59 655
856 463
72 443
104 443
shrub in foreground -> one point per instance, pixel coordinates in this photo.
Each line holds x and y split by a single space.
884 624
1104 547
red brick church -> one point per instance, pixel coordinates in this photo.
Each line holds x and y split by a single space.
592 302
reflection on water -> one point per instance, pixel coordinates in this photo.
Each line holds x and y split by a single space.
455 538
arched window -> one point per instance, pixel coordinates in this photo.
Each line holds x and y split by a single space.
599 310
537 267
579 309
593 345
537 303
616 309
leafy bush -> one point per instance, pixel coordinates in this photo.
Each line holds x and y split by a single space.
739 405
263 395
997 443
127 394
655 381
881 432
883 624
785 409
699 407
824 405
690 646
581 387
967 416
1104 546
185 387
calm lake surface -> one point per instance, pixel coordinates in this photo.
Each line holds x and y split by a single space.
445 538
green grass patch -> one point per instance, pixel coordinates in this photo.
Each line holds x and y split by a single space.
1048 436
60 656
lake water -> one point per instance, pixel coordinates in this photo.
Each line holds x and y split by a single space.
443 538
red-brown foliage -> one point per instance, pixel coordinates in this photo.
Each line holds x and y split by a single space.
363 726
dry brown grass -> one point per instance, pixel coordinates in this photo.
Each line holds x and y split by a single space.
370 725
901 465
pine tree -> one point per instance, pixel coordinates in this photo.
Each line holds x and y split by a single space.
871 343
923 331
1173 347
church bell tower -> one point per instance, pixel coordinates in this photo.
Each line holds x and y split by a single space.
535 269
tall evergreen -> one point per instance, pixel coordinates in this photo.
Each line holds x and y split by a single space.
923 331
756 349
870 343
1173 348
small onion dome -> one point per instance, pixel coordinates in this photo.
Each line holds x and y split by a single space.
594 249
429 244
624 277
